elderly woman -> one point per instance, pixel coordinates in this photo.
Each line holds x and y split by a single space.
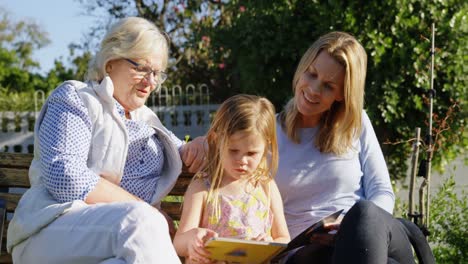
103 161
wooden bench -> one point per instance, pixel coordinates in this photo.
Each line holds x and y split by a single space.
14 173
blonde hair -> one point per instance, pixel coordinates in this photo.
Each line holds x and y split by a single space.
241 113
341 124
131 37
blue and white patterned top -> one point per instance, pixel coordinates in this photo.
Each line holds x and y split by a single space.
65 138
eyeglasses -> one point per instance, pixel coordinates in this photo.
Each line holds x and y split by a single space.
146 71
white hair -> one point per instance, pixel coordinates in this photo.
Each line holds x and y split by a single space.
131 37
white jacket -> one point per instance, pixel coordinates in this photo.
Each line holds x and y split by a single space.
108 152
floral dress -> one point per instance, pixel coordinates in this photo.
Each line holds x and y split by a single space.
243 216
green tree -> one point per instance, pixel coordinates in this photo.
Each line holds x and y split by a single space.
75 69
254 46
19 77
188 63
260 42
17 42
18 71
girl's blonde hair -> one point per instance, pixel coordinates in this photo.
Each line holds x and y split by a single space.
132 37
241 113
341 124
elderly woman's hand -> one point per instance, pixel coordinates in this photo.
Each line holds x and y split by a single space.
110 176
194 154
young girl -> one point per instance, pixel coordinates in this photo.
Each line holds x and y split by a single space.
235 195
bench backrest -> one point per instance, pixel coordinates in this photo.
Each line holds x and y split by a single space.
14 174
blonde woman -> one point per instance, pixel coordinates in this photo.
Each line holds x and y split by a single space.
235 195
330 159
103 161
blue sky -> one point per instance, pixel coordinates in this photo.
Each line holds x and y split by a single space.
62 19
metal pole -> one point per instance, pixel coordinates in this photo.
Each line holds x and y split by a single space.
422 203
430 143
414 171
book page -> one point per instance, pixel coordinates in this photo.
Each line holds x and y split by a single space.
242 251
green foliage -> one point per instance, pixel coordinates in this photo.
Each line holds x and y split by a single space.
259 44
18 71
448 225
16 101
17 42
449 228
188 63
254 46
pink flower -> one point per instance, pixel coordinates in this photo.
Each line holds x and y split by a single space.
221 66
242 9
205 39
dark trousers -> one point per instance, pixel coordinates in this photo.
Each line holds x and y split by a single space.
368 234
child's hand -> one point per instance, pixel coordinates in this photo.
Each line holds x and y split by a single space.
263 237
196 245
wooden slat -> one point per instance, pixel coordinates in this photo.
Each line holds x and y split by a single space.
11 199
4 256
5 228
14 173
180 187
173 209
15 160
6 222
14 177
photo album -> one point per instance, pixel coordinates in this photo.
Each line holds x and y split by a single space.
235 250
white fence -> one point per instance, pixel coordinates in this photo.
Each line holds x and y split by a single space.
184 111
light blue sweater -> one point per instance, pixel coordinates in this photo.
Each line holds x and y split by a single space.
314 184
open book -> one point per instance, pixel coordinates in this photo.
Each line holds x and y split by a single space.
234 250
253 252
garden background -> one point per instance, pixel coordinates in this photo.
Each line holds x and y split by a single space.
254 46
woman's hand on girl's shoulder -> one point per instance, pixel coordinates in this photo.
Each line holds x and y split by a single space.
194 153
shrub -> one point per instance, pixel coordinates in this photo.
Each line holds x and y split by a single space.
448 223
